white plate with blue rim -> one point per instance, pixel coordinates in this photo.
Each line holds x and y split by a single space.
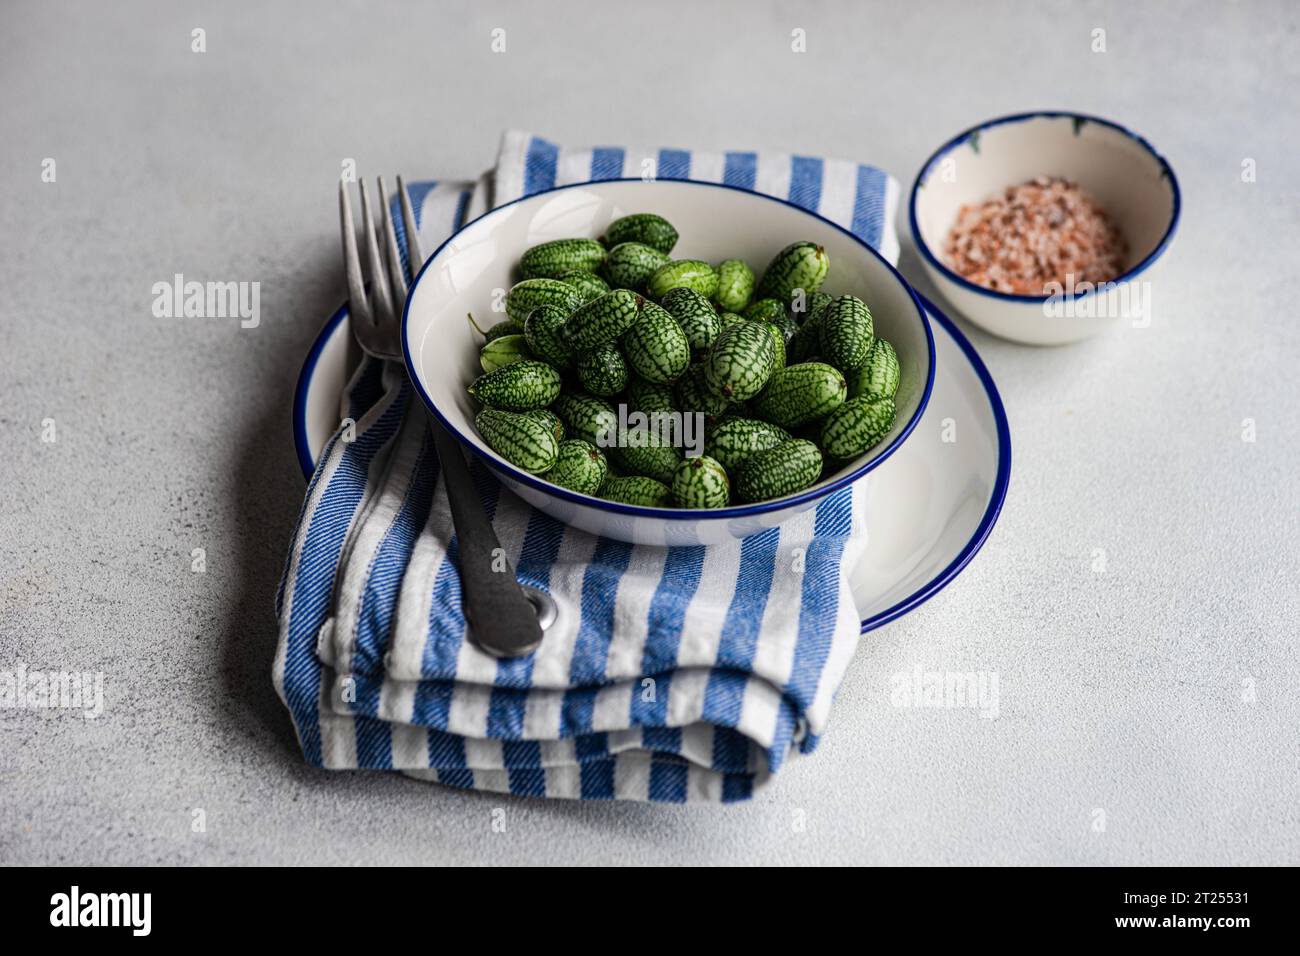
931 506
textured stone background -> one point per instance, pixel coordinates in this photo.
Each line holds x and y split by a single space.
1120 691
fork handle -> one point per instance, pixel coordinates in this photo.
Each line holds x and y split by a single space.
502 621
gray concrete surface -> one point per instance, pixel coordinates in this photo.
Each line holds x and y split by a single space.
1148 712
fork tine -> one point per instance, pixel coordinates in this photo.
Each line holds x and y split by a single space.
392 255
356 287
378 280
414 257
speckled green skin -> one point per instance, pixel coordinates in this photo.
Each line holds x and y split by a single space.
523 441
631 264
651 459
800 265
811 305
733 440
518 387
741 360
730 318
856 426
696 315
544 330
643 227
643 396
503 350
525 296
701 483
579 466
763 310
508 327
549 419
846 333
589 285
789 467
601 321
879 376
693 394
656 347
778 345
735 285
603 371
802 393
584 416
787 326
637 490
552 259
683 273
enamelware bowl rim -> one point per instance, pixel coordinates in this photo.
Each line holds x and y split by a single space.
924 248
676 514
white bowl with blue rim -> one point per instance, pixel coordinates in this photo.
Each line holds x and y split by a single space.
1117 167
471 270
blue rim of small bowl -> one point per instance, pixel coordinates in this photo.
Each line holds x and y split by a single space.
676 514
963 137
918 597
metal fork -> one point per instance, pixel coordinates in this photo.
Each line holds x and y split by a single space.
503 619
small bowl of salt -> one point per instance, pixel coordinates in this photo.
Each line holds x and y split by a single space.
1043 227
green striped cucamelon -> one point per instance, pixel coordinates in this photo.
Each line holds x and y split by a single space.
763 310
518 386
631 264
729 318
554 258
579 466
856 425
656 347
802 393
525 296
683 273
778 344
503 350
800 265
643 396
694 395
806 305
586 417
846 333
549 419
735 285
700 483
588 285
788 467
544 330
601 321
603 371
523 441
696 315
741 360
637 490
734 439
879 377
643 227
643 452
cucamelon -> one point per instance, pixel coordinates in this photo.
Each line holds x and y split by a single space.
588 285
879 376
846 333
637 490
798 394
602 371
518 386
800 265
696 315
601 321
700 483
734 439
519 439
503 350
544 330
554 258
741 360
763 310
683 273
525 296
643 227
631 264
735 285
586 417
579 466
549 419
788 467
643 452
856 426
656 347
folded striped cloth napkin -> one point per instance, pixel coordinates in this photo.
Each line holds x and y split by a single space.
670 674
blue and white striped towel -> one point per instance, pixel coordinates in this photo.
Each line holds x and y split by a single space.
671 674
